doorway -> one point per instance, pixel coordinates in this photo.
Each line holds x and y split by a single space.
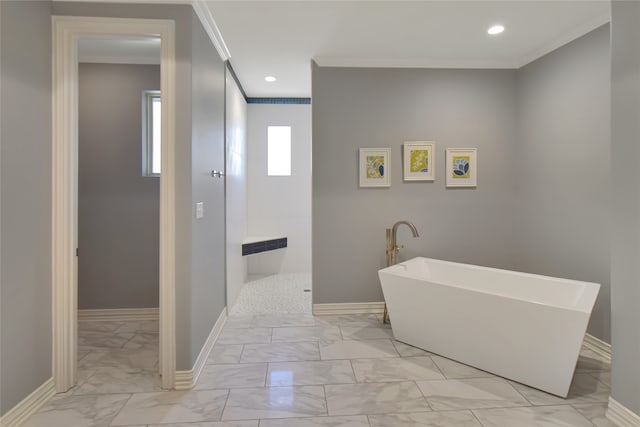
67 31
119 143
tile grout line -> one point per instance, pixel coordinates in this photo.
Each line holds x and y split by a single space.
341 332
584 416
423 396
224 407
473 412
521 394
266 374
121 409
326 401
437 367
355 377
241 354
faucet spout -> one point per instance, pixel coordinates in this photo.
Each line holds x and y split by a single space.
413 228
392 246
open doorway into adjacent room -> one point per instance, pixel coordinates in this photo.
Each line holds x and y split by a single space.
113 206
119 168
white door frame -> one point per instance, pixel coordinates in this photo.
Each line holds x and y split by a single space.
64 174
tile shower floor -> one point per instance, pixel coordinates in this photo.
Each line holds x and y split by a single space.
299 370
279 293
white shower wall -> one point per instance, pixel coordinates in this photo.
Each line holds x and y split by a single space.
280 206
236 189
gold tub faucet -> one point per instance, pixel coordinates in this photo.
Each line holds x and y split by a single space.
393 249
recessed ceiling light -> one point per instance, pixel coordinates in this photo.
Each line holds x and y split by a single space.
270 79
496 29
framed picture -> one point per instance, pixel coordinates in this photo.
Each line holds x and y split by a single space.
419 160
462 167
374 167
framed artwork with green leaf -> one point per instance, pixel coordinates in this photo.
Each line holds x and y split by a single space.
462 167
419 160
374 167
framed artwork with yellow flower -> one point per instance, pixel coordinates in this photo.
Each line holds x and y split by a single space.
374 167
419 160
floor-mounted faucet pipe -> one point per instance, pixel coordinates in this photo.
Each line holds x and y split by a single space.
393 249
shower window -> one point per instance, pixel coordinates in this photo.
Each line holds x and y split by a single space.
279 150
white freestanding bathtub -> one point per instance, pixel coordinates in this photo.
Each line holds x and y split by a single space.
524 327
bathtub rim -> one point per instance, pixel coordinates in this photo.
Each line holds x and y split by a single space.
585 301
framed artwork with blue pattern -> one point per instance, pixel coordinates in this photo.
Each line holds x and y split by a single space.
419 159
374 167
462 167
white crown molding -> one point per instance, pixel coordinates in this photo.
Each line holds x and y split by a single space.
621 415
118 314
186 380
17 415
349 308
567 37
206 18
134 60
601 348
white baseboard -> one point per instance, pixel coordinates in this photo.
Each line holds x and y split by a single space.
185 380
621 415
349 308
119 314
598 346
29 405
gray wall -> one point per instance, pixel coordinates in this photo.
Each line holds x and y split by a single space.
182 15
355 108
541 204
563 167
625 269
118 223
26 199
190 273
208 276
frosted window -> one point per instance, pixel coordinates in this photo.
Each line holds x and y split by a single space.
279 150
151 133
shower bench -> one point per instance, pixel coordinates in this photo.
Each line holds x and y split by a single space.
256 245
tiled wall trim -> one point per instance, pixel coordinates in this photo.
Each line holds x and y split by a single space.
278 100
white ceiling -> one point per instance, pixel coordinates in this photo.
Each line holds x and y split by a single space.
280 38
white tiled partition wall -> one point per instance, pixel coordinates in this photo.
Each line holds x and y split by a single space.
236 187
280 206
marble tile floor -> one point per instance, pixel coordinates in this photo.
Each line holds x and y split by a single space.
299 370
